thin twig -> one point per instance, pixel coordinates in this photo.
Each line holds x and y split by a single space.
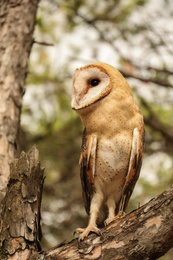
43 43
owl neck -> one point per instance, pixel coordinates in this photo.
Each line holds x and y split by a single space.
109 117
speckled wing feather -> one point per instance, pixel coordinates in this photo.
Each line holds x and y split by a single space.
134 167
87 167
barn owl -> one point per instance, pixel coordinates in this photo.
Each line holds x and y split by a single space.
112 143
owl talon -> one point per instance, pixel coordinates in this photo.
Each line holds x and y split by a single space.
85 232
121 214
108 221
78 231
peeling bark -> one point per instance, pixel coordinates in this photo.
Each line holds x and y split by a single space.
146 233
17 21
20 228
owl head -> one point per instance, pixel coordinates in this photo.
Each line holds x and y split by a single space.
93 82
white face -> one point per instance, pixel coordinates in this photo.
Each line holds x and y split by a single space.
89 85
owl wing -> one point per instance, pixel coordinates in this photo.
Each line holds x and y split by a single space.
134 167
87 167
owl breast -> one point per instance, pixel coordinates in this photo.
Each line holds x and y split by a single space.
112 163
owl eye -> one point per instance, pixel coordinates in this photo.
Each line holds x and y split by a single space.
94 82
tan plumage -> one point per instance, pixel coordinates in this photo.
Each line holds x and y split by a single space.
112 144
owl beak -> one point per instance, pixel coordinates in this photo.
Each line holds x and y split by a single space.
75 101
76 98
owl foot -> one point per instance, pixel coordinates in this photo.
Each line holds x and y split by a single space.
121 214
108 221
118 216
85 231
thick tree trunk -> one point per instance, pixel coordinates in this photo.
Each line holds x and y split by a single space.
17 20
20 228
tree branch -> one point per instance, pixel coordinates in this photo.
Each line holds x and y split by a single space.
43 43
146 233
153 121
105 38
160 82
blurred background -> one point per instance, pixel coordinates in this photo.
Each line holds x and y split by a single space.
135 36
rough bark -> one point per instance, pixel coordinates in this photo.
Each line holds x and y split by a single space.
146 233
20 230
17 20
